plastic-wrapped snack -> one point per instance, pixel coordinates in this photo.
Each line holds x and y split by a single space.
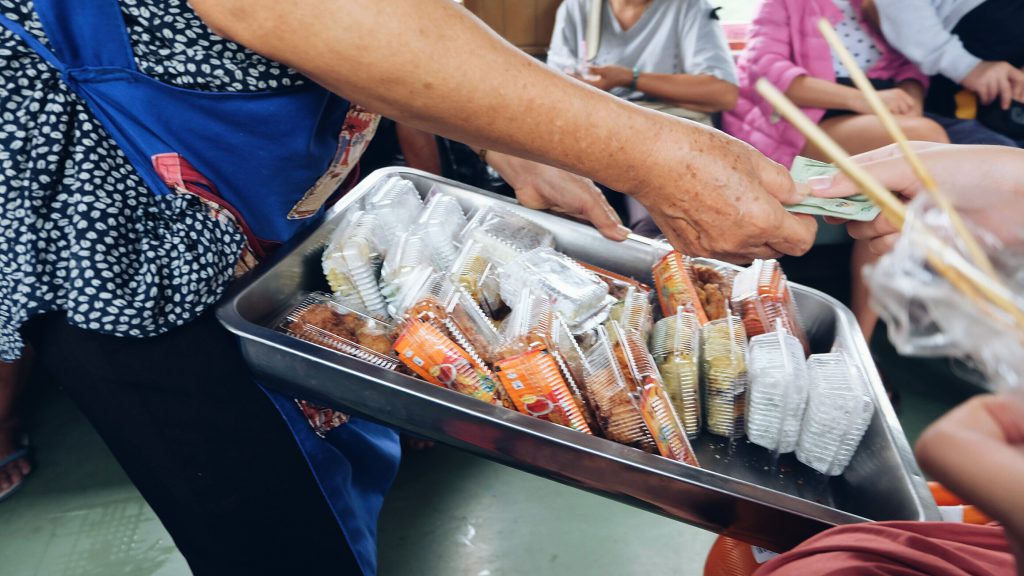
724 376
506 234
675 346
578 295
573 363
435 358
634 312
618 285
617 410
676 285
839 411
321 320
351 263
761 296
440 224
424 298
476 271
470 328
528 326
714 288
646 385
407 255
537 388
778 390
397 205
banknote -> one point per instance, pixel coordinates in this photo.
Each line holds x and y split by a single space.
857 207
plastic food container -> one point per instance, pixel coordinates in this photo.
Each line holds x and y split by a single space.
675 346
434 357
475 269
676 285
778 390
351 263
761 296
505 234
319 319
440 224
537 388
397 205
634 312
407 255
839 411
737 490
575 293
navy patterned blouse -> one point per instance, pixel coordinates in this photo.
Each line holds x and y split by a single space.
79 230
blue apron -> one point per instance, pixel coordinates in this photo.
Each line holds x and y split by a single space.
263 151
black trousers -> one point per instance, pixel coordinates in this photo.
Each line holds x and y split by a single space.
992 31
203 444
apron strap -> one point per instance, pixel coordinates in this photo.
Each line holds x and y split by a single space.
87 33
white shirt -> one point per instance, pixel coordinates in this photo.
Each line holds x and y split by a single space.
856 39
920 29
672 37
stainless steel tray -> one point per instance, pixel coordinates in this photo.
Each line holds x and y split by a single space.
740 491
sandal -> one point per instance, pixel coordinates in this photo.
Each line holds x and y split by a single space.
11 458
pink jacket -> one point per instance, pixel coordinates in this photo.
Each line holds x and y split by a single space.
784 44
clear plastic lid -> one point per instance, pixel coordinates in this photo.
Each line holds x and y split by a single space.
761 296
617 409
573 364
470 328
424 298
675 346
397 205
676 285
351 263
506 234
577 294
535 384
321 320
528 326
618 285
476 270
724 378
440 224
426 351
714 288
778 390
634 312
408 254
646 385
839 411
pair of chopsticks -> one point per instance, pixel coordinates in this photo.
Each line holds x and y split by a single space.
977 280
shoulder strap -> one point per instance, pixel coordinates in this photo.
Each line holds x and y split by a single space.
86 33
593 36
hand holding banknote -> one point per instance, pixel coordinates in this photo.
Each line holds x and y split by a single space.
855 207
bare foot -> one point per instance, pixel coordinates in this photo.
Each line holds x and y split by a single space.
11 473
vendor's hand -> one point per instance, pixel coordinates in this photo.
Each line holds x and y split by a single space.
608 77
977 452
720 197
543 187
985 183
993 81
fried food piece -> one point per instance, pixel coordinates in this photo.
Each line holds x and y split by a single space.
713 290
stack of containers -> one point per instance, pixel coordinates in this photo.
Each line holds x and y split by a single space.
407 255
440 224
724 376
397 205
351 263
839 411
675 346
778 390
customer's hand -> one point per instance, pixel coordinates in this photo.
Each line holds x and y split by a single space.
996 81
608 77
985 183
543 187
977 452
897 100
719 197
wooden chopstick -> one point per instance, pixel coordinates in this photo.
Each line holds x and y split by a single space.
900 137
959 272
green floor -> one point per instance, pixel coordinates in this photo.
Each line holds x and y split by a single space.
449 514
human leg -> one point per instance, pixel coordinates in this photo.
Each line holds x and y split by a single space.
970 132
14 468
203 444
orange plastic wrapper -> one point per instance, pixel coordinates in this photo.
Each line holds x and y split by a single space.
438 360
761 296
535 384
655 406
676 284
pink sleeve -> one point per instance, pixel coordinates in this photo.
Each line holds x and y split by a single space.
907 70
769 53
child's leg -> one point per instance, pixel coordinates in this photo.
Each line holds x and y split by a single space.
11 381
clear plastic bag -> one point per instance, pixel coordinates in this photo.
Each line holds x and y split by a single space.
761 296
724 376
577 294
778 390
838 413
506 234
927 316
675 346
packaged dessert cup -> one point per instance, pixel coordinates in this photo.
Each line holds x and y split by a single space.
470 328
778 390
572 362
676 285
535 384
675 346
351 264
440 224
476 270
839 411
761 296
504 234
321 320
407 255
724 378
575 293
714 288
397 205
634 312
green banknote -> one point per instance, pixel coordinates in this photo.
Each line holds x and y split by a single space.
857 207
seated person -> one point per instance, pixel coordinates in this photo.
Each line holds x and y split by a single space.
670 55
787 48
973 44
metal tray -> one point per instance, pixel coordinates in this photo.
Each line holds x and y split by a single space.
740 491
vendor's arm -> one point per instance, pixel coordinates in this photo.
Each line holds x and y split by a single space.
431 64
